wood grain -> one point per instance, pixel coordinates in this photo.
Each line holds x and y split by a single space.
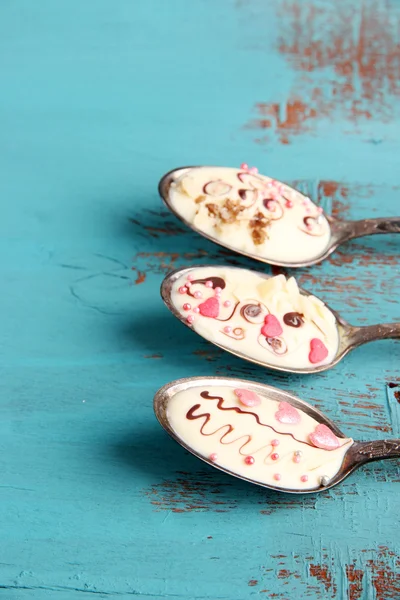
100 99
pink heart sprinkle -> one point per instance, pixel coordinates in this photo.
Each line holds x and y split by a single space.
323 437
271 328
247 398
210 308
287 414
318 351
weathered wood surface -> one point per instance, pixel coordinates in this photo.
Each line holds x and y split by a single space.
98 100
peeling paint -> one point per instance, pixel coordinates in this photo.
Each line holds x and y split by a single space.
345 55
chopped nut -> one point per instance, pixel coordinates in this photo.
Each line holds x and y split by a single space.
200 199
259 220
212 210
259 236
258 226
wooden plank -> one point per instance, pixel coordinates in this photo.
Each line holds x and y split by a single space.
101 99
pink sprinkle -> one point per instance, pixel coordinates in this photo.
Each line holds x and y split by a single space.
209 284
244 166
304 478
198 295
228 329
318 351
186 306
277 476
296 459
227 303
274 456
182 289
247 397
253 170
190 319
320 209
271 205
196 310
249 460
210 308
190 277
275 443
218 290
271 328
289 204
213 457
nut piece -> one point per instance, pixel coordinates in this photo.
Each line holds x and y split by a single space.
258 226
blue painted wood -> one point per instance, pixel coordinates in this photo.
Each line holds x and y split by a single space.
99 99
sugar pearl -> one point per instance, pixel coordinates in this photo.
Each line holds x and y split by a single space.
249 460
209 284
182 289
196 310
227 303
228 329
277 476
274 456
275 443
198 295
213 457
304 478
218 290
190 319
186 306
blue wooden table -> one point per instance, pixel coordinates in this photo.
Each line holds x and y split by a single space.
99 99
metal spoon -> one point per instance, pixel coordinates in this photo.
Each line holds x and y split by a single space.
358 453
350 336
340 231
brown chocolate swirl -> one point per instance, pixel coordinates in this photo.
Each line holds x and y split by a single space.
207 416
216 281
293 319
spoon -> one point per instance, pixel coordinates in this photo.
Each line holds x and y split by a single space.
296 448
286 214
263 347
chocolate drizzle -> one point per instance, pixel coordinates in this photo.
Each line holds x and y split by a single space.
293 319
312 226
216 281
232 313
252 312
191 417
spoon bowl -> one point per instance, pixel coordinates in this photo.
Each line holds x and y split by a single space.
349 336
340 231
172 401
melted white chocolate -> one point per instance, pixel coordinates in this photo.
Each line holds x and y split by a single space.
251 213
275 298
283 454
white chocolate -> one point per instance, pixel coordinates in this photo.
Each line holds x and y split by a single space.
231 450
287 239
278 296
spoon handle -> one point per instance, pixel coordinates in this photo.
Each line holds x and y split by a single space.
363 452
373 226
370 333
